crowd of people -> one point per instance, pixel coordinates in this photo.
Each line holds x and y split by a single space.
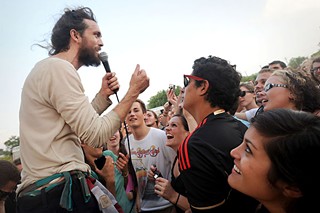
220 145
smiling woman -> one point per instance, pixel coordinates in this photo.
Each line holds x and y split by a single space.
291 90
279 152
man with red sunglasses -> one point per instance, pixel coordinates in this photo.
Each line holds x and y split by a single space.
204 156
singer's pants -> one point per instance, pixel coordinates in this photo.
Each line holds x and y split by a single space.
49 201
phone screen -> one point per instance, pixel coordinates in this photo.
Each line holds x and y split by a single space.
100 162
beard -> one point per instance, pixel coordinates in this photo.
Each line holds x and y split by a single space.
88 57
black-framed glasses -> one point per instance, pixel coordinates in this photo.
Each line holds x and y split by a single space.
244 92
186 79
314 69
271 85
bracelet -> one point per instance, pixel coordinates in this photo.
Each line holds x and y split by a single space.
177 199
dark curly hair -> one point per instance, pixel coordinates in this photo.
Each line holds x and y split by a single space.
293 146
224 81
71 19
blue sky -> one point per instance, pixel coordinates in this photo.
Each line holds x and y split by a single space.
164 37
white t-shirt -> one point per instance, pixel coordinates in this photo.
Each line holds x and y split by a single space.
251 113
151 150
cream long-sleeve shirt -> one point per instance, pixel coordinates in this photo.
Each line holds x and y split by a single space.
55 117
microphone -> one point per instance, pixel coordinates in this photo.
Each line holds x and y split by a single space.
103 56
104 59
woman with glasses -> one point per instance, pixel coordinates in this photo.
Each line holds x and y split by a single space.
277 161
315 70
247 97
291 90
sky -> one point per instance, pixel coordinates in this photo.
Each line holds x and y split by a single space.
164 37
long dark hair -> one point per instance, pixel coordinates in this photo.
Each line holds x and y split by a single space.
71 19
293 147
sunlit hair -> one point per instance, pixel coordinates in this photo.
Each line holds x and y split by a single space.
292 142
265 69
223 79
305 90
248 85
71 19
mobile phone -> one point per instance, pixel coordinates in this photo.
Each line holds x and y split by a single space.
156 172
100 162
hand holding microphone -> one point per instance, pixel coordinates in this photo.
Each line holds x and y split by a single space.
110 84
104 59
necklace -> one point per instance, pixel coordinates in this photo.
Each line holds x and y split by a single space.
219 111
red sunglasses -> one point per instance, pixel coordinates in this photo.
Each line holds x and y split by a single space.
186 79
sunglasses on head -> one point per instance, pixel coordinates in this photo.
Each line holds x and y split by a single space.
269 86
243 93
186 79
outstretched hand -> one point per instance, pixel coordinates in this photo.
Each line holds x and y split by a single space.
139 80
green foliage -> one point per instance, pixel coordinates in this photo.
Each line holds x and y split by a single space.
12 142
157 100
316 54
161 98
6 157
249 78
295 62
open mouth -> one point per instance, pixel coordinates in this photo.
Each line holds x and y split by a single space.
236 169
169 136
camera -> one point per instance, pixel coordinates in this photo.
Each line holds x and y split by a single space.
172 86
157 174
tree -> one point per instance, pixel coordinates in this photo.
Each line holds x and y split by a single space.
12 142
157 100
249 78
316 54
160 98
295 62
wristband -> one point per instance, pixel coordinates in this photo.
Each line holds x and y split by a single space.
177 199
